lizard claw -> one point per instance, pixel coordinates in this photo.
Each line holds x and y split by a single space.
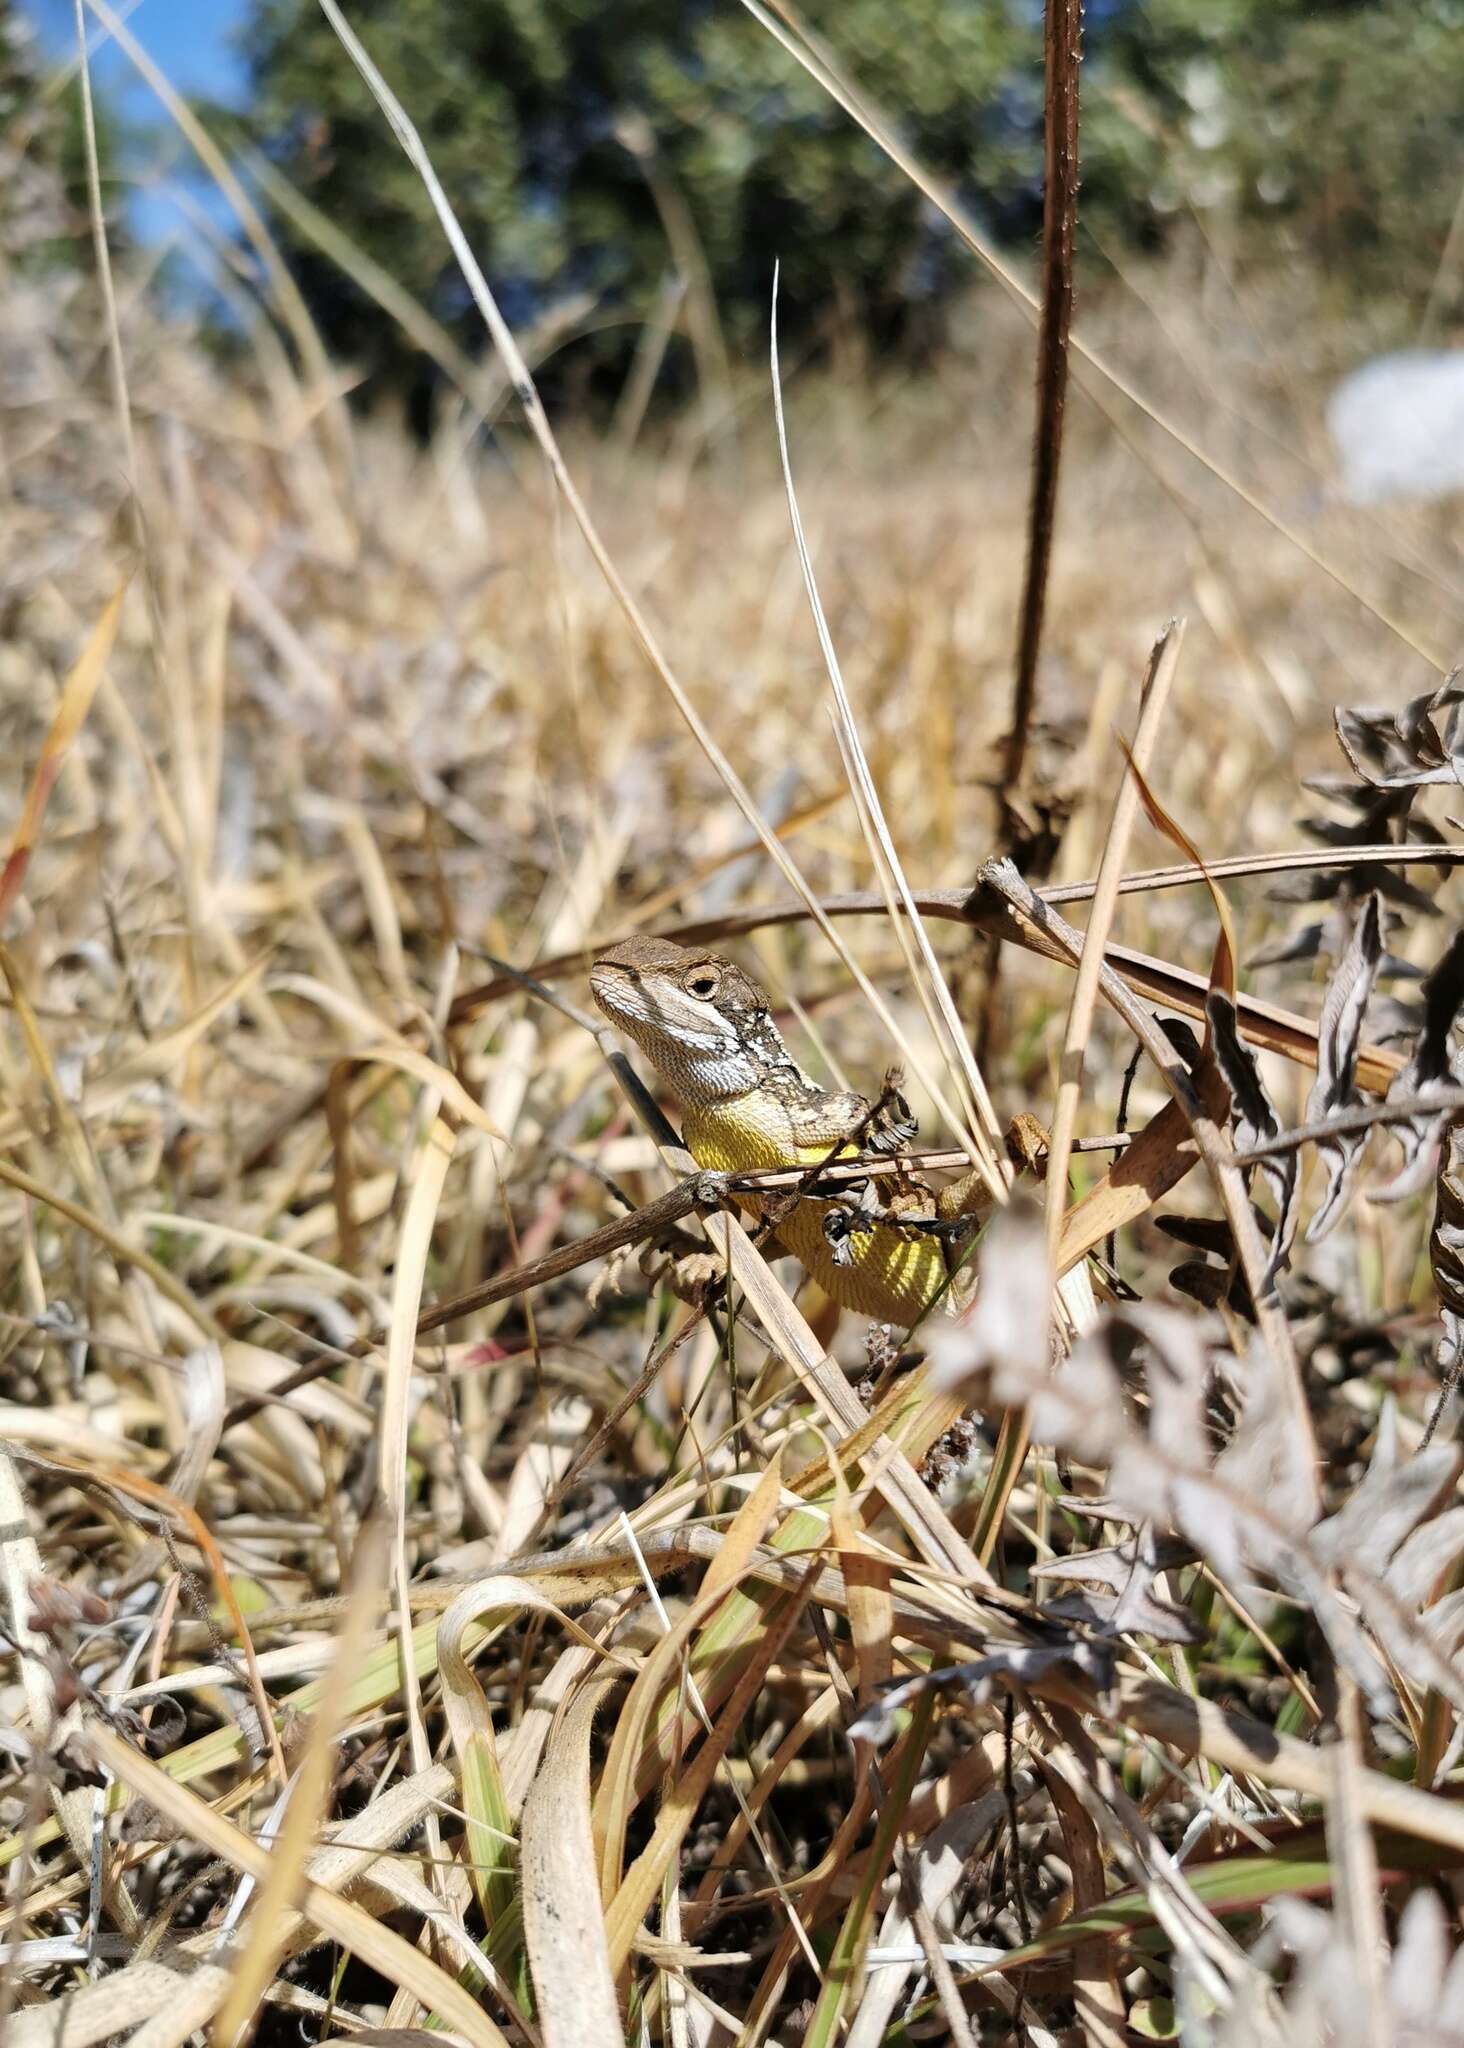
689 1276
607 1280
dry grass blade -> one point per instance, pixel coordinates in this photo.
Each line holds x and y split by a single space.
643 1716
291 1224
678 1809
135 1487
358 264
959 904
20 1566
1226 957
97 2012
867 1582
846 1961
287 294
528 397
564 1927
1212 1148
1014 1439
985 1138
1100 2008
340 1919
309 1797
75 701
1178 988
1153 704
126 1254
1105 377
1355 1862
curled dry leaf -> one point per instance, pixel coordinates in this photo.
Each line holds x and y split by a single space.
1129 1602
1251 1508
1016 1665
1253 1120
1008 1327
1339 1033
1388 1541
1260 1461
1431 1067
1406 749
1420 1563
1177 1372
1393 1499
1303 944
1446 1257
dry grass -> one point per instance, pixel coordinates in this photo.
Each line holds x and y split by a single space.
585 1701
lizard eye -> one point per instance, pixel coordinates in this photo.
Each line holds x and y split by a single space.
702 981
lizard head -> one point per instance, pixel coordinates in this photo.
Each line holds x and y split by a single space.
704 1024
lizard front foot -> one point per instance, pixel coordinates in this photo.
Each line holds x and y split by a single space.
690 1276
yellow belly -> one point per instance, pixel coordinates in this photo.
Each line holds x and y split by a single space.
893 1278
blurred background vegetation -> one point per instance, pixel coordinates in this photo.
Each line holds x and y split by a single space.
616 160
373 720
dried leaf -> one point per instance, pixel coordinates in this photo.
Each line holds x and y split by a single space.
1305 944
1431 1068
1262 1461
1405 749
1210 1285
1391 1501
1019 1663
1421 1964
1413 1646
1080 1402
1252 1121
1210 1234
1008 1327
1422 1559
1129 1603
1339 1034
1446 1257
1177 1373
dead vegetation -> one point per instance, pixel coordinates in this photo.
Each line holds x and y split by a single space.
573 1665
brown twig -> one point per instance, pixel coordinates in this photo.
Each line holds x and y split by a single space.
1062 48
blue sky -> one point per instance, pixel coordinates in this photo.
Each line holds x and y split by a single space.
191 42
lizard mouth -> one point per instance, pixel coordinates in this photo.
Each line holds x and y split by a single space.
619 990
625 997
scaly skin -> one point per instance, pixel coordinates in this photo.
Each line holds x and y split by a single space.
708 1031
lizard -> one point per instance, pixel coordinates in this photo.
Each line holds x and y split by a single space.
709 1032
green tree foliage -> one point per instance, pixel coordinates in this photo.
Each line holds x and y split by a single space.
31 141
1341 117
43 185
534 112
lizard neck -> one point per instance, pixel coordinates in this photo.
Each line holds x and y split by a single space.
739 1133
